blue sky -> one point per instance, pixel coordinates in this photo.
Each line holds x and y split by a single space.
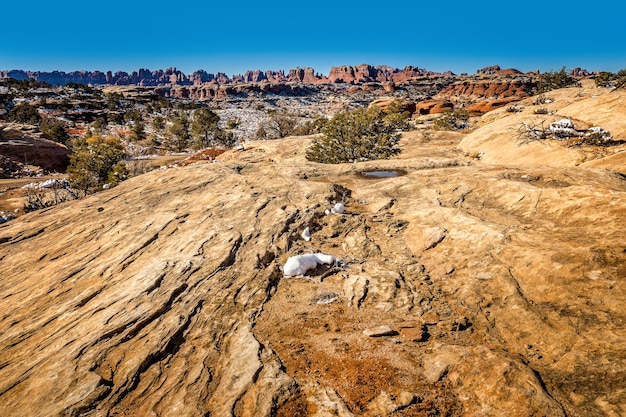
232 37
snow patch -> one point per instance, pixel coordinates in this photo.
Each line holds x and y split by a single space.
300 264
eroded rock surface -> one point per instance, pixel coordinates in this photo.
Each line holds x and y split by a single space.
503 287
23 149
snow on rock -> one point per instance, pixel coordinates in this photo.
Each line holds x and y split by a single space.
7 217
52 183
306 234
339 208
563 129
298 265
602 133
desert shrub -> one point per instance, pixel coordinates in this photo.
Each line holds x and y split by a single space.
606 79
541 110
280 125
621 79
207 131
310 127
453 120
233 123
542 99
55 130
92 161
178 137
514 108
24 113
565 130
397 113
553 80
119 173
355 135
47 194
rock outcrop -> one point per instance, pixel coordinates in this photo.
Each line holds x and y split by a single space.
496 70
366 73
24 147
433 107
489 88
171 76
499 136
500 288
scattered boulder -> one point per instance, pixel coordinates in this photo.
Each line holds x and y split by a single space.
379 331
402 104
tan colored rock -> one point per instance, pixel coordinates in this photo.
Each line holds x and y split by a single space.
25 145
164 295
402 104
433 107
379 331
412 334
498 136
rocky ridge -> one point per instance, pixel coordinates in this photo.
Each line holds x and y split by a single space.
172 76
462 288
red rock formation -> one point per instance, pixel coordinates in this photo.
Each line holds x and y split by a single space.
26 145
579 72
482 107
143 77
433 107
497 88
496 70
306 75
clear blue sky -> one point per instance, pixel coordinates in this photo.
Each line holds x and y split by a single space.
233 36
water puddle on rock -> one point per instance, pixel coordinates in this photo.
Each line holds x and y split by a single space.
379 174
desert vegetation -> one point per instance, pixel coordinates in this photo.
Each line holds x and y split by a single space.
357 135
96 162
553 80
565 130
453 120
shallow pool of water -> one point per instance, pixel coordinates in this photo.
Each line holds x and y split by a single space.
382 174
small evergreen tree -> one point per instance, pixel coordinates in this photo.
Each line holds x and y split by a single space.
354 136
54 129
453 120
553 80
204 126
92 162
24 113
179 137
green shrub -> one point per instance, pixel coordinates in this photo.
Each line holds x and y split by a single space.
54 129
455 120
605 79
354 136
92 161
24 113
553 80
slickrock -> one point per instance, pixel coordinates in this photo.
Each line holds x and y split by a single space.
22 145
164 295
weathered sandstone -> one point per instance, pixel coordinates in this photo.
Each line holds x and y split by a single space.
26 145
164 296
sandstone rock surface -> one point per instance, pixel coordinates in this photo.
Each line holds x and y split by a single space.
24 145
498 138
164 295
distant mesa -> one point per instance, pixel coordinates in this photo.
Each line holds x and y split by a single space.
348 74
496 70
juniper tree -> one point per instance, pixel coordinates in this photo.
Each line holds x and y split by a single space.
354 136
